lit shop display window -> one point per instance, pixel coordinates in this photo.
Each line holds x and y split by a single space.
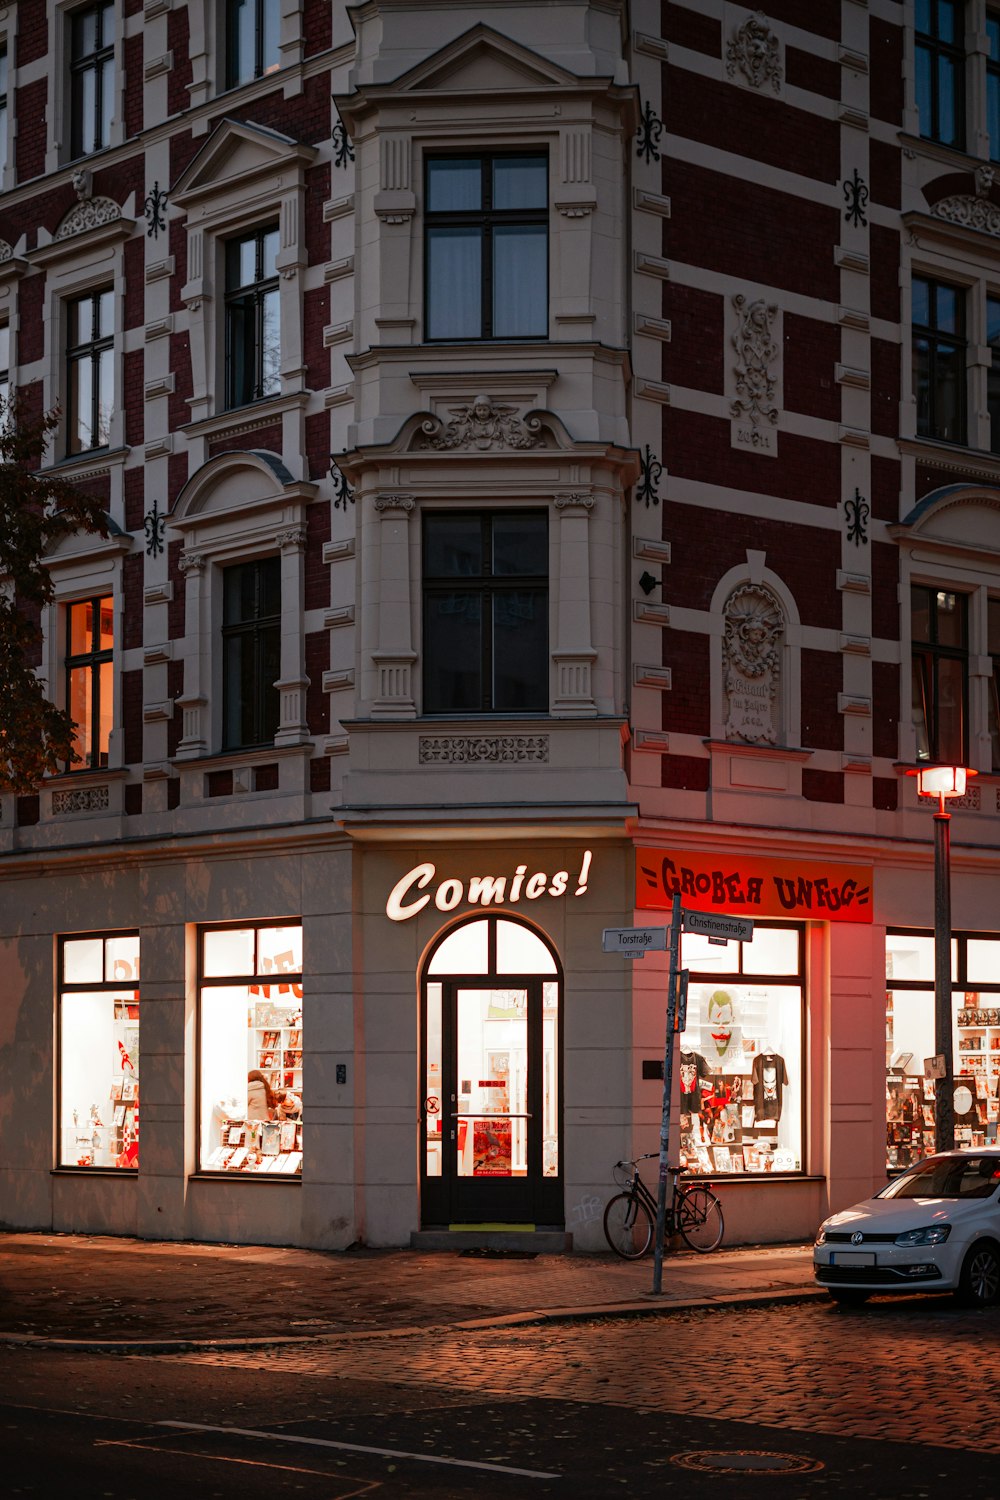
250 1010
741 1054
910 1097
99 1051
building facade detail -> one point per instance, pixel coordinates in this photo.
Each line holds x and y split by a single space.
751 648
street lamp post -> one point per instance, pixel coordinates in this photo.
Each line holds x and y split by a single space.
943 782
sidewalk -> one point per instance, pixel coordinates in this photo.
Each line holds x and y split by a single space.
91 1292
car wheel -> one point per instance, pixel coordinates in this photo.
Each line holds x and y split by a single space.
851 1298
979 1283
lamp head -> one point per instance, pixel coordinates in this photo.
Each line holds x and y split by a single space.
942 781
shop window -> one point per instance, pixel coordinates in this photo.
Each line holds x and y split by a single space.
910 1039
252 35
250 1023
486 246
90 373
939 348
98 1028
486 605
253 322
90 640
940 646
251 652
92 78
742 1073
940 65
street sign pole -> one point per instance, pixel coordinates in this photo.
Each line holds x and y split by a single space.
668 1077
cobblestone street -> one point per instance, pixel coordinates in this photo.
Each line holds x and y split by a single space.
918 1371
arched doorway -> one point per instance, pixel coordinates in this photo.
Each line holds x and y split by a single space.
491 1044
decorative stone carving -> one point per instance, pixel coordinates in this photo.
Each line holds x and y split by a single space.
83 184
405 503
969 212
753 49
191 562
294 539
89 213
6 252
581 501
84 799
455 749
751 664
482 425
756 350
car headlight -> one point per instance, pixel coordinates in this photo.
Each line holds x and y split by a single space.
931 1234
821 1235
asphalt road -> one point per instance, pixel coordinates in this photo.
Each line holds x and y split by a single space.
895 1401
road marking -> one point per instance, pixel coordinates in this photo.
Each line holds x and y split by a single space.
362 1486
421 1458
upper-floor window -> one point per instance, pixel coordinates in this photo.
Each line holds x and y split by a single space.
252 34
486 606
90 640
487 246
4 372
253 321
993 82
90 373
92 77
993 648
939 630
4 84
939 359
251 652
940 62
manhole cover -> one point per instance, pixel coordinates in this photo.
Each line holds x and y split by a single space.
748 1461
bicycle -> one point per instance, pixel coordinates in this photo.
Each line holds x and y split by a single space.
630 1216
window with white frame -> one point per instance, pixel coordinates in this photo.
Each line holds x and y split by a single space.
90 640
98 1031
940 65
92 77
251 652
90 370
939 633
250 1049
486 612
486 245
253 29
939 345
4 115
4 372
253 317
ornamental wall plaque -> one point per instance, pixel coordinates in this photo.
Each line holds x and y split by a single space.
482 749
482 425
84 799
89 213
751 664
755 52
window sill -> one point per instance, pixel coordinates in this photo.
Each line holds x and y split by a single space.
94 458
239 419
131 1172
271 1178
976 463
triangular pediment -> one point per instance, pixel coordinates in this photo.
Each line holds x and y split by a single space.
482 59
237 153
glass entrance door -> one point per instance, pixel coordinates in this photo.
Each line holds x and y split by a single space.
491 1104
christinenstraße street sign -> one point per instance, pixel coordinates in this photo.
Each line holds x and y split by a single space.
633 942
709 924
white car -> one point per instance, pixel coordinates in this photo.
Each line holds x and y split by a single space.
935 1228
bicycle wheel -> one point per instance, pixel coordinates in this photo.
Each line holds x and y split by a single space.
699 1218
627 1226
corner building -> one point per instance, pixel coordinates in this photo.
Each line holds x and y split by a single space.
550 464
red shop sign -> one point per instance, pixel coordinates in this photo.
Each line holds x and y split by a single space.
752 887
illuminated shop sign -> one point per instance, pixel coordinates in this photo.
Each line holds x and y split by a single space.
752 886
481 890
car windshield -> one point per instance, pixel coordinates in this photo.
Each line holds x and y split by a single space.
947 1177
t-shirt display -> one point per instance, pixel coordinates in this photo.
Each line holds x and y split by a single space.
693 1069
770 1079
738 1090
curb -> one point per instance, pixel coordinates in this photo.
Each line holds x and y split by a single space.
601 1312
